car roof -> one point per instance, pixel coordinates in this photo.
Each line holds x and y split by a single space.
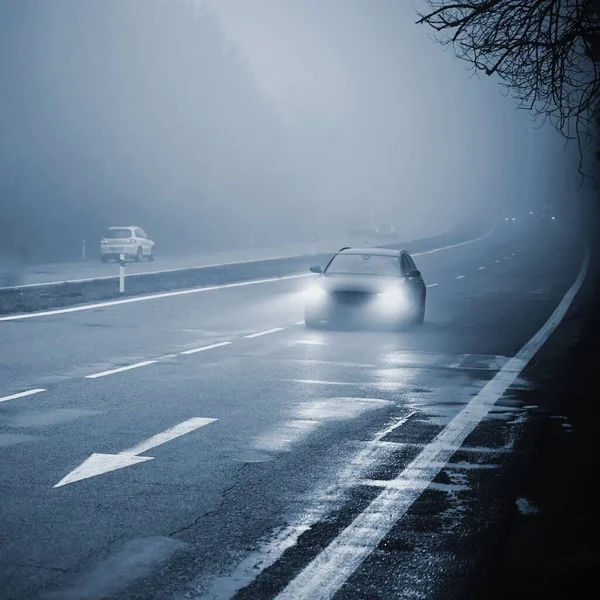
372 251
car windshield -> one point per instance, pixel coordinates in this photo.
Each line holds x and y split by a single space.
364 264
117 234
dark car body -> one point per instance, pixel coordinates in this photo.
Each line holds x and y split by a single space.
393 297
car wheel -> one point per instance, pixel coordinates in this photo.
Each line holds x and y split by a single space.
420 316
151 257
138 256
311 322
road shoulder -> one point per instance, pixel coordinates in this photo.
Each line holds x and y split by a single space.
548 545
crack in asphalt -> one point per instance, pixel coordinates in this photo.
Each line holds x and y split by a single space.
34 566
214 510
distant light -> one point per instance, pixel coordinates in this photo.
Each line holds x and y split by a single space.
506 219
514 219
553 218
530 212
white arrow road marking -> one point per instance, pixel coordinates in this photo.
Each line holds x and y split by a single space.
97 464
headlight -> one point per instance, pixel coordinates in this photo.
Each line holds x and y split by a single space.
315 292
392 299
391 295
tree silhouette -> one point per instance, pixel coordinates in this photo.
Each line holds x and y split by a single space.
545 52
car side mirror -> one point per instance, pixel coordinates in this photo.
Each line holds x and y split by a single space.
316 269
414 274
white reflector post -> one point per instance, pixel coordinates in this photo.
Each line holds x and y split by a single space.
121 273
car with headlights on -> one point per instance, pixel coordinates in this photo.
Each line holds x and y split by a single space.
366 286
131 241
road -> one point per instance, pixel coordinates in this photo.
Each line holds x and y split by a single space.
278 455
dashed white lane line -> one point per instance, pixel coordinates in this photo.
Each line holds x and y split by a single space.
433 285
481 268
265 332
460 277
299 323
323 382
204 348
483 237
144 363
496 261
22 394
331 568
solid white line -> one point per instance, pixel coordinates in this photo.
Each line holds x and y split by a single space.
225 587
169 434
121 369
22 394
72 309
203 348
481 268
433 285
266 332
299 323
460 277
332 567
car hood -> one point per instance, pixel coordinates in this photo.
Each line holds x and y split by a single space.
357 283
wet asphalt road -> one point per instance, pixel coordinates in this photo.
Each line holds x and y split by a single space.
309 428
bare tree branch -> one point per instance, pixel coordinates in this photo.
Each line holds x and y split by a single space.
545 52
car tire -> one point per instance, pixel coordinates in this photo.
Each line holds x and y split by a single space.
311 322
138 255
152 256
420 316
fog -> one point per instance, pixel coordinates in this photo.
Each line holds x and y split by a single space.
229 123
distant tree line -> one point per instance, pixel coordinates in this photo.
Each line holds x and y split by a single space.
134 112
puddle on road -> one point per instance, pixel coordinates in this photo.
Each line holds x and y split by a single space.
10 439
42 418
306 418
